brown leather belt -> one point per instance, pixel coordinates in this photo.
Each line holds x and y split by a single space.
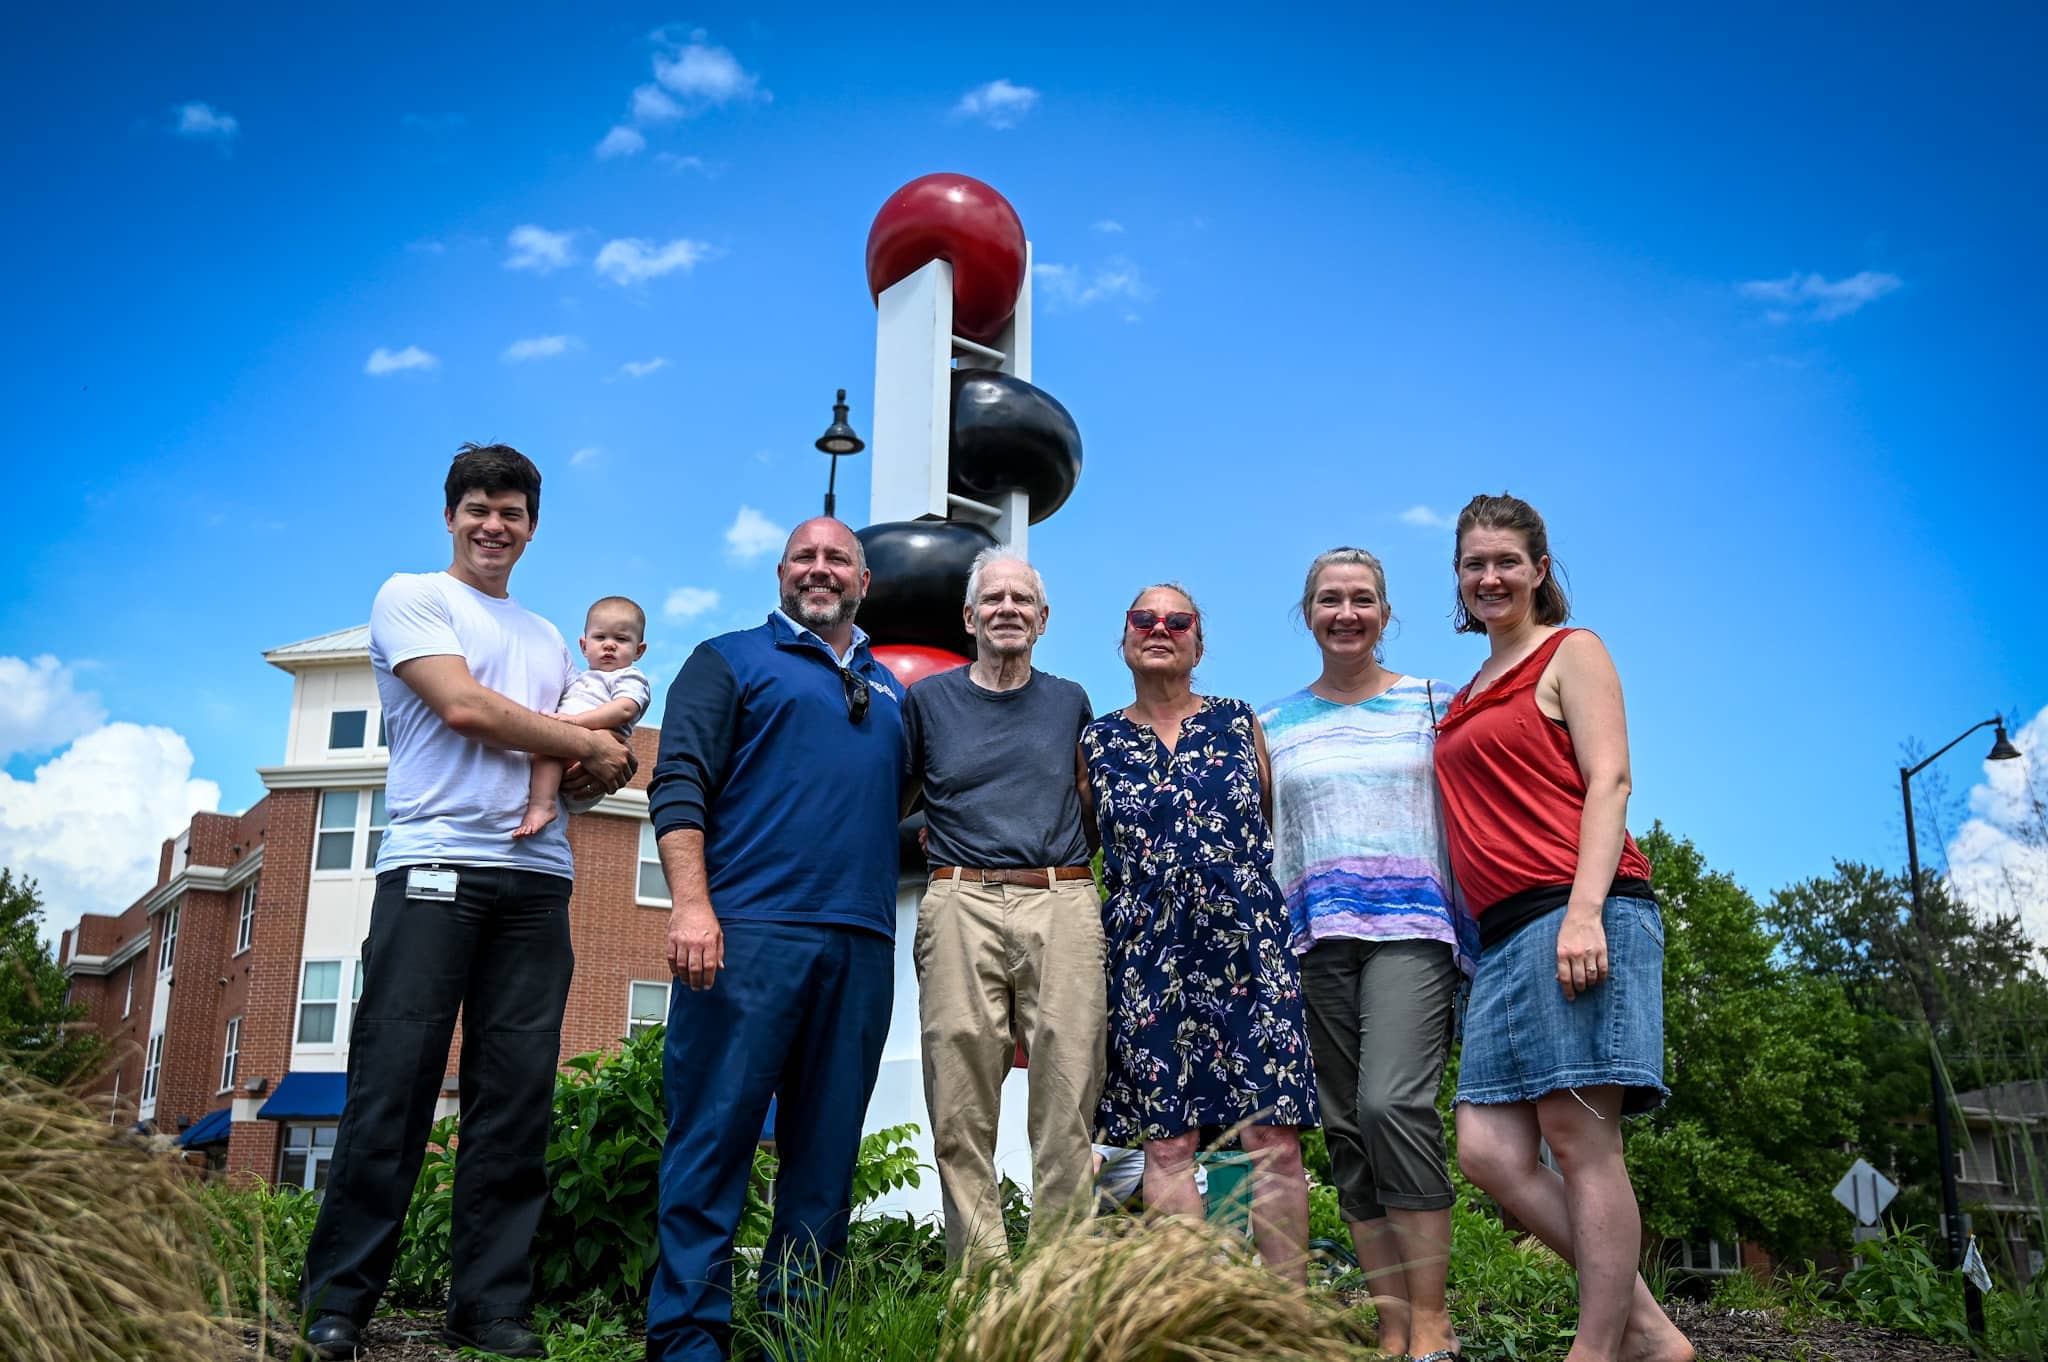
1029 879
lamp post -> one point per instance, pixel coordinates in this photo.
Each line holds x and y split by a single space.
1923 981
838 441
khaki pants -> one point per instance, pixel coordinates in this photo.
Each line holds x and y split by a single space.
999 964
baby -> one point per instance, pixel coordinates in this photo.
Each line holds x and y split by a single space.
612 694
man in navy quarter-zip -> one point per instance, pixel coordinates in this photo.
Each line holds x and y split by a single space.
774 799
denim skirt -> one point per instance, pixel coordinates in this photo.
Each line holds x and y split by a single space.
1524 1039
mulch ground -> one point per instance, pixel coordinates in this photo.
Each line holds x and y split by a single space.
1720 1336
1759 1336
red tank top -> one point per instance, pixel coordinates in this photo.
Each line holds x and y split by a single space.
1512 792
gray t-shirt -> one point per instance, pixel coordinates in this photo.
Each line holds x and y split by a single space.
998 770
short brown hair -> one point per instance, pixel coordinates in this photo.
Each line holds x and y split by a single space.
1511 513
625 601
492 469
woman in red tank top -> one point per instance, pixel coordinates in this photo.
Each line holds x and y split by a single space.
1564 1032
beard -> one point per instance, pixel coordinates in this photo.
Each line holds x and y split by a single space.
819 617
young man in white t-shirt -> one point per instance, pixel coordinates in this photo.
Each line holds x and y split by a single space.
466 917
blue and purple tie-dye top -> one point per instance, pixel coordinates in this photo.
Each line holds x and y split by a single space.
1358 827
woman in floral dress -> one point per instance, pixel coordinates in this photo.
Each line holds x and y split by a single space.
1206 1023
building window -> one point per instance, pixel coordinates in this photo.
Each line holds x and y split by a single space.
128 999
167 954
152 1064
319 1002
303 1160
383 736
345 728
646 1007
378 819
245 925
1710 1257
653 885
336 845
230 1053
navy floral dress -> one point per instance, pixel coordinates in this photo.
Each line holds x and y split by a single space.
1206 1025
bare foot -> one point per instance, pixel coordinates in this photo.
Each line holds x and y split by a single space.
537 817
1661 1342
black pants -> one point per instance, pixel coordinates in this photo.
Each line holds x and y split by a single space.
500 953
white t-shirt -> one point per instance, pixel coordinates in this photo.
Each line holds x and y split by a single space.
452 799
594 689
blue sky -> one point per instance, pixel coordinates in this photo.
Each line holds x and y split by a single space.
1744 304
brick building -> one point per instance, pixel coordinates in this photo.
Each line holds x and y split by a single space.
227 988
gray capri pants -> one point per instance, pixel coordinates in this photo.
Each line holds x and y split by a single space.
1379 1023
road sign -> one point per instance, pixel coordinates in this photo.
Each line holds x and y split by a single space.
1865 1191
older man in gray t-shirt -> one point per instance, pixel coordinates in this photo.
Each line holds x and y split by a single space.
1009 938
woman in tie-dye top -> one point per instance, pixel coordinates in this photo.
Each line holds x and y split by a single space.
1360 856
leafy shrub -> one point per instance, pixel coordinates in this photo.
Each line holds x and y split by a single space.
1509 1298
1898 1286
259 1235
604 1167
420 1274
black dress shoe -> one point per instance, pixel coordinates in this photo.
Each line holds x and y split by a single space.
505 1337
334 1336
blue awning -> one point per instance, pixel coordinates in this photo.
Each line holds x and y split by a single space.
211 1128
306 1097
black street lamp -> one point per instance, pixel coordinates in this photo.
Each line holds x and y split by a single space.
837 441
1923 980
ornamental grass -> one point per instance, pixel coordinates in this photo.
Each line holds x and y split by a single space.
1166 1290
104 1250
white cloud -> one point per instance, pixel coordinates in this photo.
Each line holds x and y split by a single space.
88 824
641 368
1998 858
621 141
1428 517
583 456
1068 286
205 121
540 347
998 103
672 161
651 104
630 260
1820 299
537 249
688 602
1107 225
751 535
710 75
40 708
383 361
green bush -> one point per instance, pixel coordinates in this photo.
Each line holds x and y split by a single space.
1509 1298
420 1273
259 1235
1898 1286
604 1167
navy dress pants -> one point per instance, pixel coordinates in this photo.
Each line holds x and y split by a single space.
798 1014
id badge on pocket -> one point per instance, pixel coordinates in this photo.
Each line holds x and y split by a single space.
435 886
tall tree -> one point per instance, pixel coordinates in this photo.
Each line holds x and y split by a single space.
40 1033
1763 1068
1857 930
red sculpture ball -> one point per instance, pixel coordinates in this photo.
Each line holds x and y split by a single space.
912 663
959 219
